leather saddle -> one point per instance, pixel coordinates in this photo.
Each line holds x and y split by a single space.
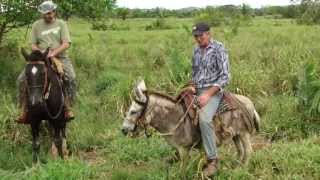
187 98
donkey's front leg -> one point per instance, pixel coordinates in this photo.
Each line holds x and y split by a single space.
58 140
184 156
35 142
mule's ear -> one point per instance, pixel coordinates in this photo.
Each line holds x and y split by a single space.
139 91
46 52
25 54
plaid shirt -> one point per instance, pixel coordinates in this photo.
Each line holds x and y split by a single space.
210 68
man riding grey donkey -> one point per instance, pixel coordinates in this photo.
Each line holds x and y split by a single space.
210 75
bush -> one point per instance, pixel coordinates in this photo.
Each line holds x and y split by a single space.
309 91
220 16
104 26
158 24
311 15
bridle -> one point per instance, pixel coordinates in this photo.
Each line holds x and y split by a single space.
46 87
141 119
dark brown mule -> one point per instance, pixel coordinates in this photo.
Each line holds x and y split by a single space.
45 101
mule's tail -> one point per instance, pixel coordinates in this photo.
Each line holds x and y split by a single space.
257 120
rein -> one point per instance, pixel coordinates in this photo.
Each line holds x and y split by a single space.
172 132
141 120
46 91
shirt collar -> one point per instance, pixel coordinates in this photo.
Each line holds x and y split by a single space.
210 45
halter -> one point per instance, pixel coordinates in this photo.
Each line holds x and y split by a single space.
141 119
46 91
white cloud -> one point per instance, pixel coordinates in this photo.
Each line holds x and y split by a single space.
176 4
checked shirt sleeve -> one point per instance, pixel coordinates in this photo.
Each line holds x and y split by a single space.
223 68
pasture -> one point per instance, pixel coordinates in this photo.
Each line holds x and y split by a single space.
267 59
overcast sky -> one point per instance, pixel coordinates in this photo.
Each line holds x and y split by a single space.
176 4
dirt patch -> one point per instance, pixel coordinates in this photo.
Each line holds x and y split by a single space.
260 142
91 156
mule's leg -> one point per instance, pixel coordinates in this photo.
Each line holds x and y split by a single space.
64 143
245 139
54 149
239 147
58 140
35 142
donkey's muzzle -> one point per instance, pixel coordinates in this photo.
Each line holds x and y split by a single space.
124 131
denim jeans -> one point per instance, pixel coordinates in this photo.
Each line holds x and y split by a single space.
206 126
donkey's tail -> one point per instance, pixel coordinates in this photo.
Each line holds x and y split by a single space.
257 120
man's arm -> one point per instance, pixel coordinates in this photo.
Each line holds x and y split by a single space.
65 45
34 47
65 41
223 64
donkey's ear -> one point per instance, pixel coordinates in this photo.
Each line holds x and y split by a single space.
25 54
46 52
139 91
141 85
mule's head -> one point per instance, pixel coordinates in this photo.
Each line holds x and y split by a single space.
35 71
137 109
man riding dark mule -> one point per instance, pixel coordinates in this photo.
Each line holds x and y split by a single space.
50 32
44 99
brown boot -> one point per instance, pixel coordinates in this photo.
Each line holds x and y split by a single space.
211 168
69 115
23 118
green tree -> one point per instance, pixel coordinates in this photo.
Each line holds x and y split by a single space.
123 13
16 13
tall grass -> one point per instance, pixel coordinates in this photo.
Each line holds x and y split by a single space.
266 58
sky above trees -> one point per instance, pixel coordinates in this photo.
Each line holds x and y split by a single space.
176 4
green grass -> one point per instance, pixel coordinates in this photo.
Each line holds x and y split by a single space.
266 58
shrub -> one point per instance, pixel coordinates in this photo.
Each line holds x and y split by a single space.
309 91
158 24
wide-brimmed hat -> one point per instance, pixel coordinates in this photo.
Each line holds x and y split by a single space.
47 6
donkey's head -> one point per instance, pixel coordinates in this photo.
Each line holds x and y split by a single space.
36 75
137 108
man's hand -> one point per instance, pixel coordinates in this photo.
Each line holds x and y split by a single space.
203 99
51 54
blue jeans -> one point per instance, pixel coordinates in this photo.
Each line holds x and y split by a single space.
206 126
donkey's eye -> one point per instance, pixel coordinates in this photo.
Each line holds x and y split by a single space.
133 112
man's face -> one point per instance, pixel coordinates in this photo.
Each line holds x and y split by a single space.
49 17
203 39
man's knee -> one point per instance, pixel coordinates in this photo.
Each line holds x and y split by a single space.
204 120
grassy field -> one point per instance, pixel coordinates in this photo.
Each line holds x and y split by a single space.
267 58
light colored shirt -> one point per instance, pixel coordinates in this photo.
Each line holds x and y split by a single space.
50 35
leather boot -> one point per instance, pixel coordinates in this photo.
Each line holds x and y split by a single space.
23 118
68 114
211 168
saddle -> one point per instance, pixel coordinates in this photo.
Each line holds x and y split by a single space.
187 97
57 66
